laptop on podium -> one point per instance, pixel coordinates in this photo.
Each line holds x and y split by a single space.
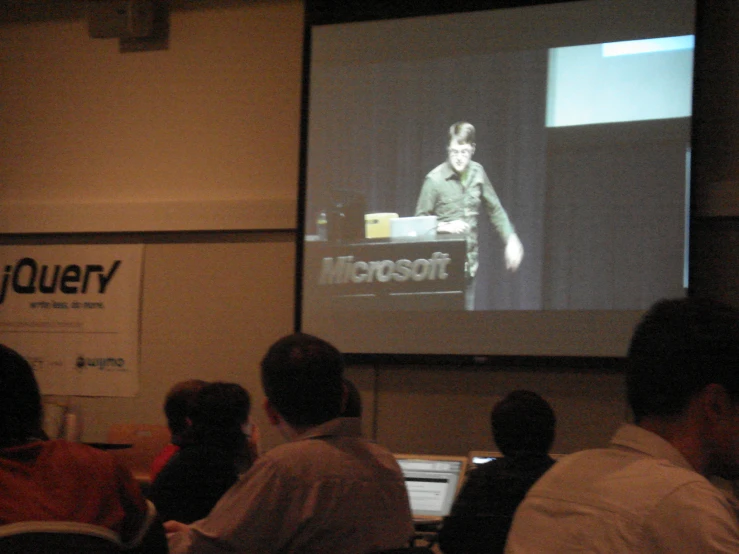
422 226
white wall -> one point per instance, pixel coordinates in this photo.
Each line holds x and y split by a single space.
202 135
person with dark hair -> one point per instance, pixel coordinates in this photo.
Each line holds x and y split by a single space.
649 492
326 490
210 457
56 484
454 191
177 408
523 426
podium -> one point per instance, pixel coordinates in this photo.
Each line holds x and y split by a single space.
386 273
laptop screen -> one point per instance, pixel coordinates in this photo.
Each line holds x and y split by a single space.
477 458
422 226
432 482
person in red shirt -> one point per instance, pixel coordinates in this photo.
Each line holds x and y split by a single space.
50 484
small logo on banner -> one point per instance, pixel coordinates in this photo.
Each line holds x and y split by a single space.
102 364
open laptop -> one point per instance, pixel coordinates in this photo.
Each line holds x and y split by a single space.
422 226
433 483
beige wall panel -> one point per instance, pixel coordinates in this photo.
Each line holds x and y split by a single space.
365 381
447 410
96 140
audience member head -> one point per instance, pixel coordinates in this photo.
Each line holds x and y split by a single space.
178 405
302 377
219 413
353 402
523 422
20 399
679 347
683 380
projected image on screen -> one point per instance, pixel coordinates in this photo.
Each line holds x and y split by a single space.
531 159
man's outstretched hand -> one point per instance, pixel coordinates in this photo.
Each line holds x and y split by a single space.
513 253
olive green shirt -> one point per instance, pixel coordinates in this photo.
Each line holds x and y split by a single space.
450 197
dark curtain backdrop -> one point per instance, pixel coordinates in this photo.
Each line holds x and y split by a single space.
379 130
615 217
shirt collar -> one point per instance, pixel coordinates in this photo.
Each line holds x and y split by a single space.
641 440
449 173
341 426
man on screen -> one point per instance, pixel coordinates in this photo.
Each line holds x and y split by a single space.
454 190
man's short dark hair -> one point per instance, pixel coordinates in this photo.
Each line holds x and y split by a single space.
679 347
302 377
462 132
20 399
523 422
179 402
221 404
219 413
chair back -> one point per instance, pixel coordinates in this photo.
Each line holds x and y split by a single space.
407 550
146 441
57 537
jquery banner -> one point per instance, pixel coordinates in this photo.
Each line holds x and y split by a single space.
73 312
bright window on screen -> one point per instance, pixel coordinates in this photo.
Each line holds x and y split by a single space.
631 80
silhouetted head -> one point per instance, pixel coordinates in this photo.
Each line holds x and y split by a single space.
20 399
523 422
679 347
219 414
302 377
179 402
